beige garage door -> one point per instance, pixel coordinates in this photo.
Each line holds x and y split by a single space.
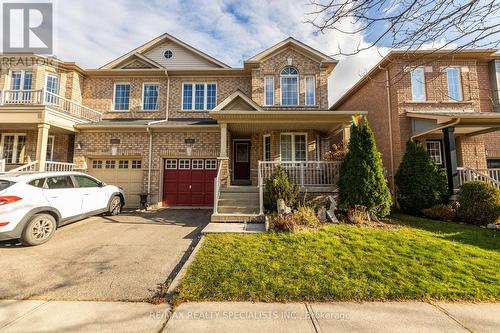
126 173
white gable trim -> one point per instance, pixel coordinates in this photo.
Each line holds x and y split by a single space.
232 97
156 41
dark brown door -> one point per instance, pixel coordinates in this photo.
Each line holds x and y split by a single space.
241 160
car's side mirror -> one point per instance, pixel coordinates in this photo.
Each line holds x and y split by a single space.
100 184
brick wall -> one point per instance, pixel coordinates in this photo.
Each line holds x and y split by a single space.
225 87
306 66
98 94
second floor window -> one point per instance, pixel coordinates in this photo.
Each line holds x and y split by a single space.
269 90
52 88
150 96
121 99
199 96
21 80
310 90
289 86
418 84
454 84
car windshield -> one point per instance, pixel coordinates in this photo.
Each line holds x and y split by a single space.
5 184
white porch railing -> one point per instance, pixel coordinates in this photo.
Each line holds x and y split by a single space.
217 190
466 174
43 97
59 166
28 167
304 174
493 173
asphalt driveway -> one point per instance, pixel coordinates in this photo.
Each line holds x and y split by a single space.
126 257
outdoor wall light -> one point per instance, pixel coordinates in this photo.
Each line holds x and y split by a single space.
79 145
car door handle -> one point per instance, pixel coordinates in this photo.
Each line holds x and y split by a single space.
86 193
54 197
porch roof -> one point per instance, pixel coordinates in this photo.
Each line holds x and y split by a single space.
466 123
250 121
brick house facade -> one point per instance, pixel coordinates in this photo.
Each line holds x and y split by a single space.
387 92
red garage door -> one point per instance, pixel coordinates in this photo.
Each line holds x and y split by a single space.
189 182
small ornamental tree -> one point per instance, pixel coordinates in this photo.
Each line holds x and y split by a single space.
361 177
421 184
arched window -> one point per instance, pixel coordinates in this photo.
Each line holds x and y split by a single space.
289 86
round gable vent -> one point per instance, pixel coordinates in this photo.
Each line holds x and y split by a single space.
168 54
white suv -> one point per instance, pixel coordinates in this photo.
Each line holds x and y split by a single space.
33 205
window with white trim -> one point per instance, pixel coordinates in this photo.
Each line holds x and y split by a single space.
197 164
21 80
267 147
150 96
96 164
136 164
171 164
210 164
110 164
13 148
418 84
454 84
269 90
52 88
184 164
50 148
293 147
310 83
199 96
121 98
433 148
123 164
289 86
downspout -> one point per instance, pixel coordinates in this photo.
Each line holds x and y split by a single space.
168 97
448 124
150 157
389 119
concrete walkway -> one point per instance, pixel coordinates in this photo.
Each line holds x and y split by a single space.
334 317
234 228
81 316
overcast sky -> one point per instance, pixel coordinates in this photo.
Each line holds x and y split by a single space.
93 32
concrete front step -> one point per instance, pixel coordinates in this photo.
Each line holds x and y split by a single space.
250 201
238 210
240 189
236 218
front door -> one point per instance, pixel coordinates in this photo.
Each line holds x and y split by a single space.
241 160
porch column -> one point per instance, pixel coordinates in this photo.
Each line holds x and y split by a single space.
450 156
41 145
223 140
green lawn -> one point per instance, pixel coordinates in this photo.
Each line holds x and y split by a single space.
425 259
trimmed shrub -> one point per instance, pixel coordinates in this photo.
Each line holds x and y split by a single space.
361 177
278 186
440 212
421 184
478 203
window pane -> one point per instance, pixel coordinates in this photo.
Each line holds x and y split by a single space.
37 182
289 91
184 164
84 181
211 164
136 164
122 97
28 78
171 164
211 96
269 90
96 164
150 98
418 84
50 148
434 151
267 148
122 164
242 152
300 147
59 182
52 87
187 98
8 148
110 164
20 149
197 164
286 147
310 90
16 80
454 91
199 97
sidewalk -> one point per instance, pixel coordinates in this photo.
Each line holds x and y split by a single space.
334 317
81 316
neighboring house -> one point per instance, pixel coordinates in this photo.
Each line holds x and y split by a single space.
448 101
167 119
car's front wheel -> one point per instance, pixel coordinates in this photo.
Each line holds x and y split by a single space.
39 229
115 206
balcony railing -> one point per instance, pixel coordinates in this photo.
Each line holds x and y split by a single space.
43 97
